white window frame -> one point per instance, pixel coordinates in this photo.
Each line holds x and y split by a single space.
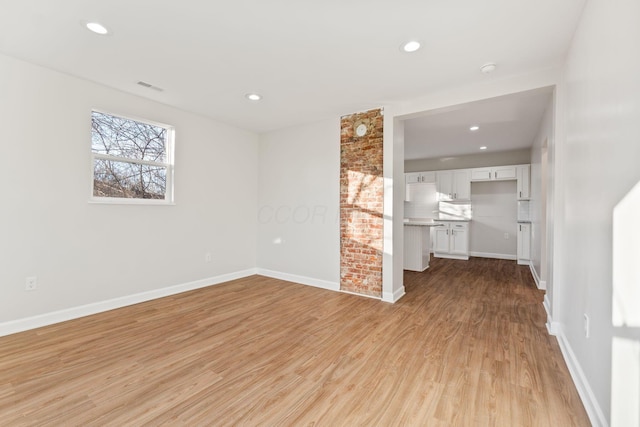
168 164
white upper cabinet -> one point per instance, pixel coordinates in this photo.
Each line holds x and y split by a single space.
462 184
481 174
496 173
454 185
504 172
419 177
444 184
524 183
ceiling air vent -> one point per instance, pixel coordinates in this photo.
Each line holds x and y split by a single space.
149 86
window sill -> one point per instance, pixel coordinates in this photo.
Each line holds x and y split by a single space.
121 201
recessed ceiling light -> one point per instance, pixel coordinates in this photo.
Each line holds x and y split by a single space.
487 68
253 97
474 128
97 28
411 46
483 147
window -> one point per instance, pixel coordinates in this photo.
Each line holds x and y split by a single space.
132 160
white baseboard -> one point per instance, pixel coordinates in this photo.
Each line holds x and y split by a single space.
552 327
547 305
492 255
540 284
325 284
303 280
360 295
596 416
20 325
451 256
393 297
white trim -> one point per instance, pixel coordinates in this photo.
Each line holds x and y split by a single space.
360 295
540 284
552 327
168 164
393 297
20 325
596 416
120 159
451 256
325 284
492 255
303 280
131 201
547 305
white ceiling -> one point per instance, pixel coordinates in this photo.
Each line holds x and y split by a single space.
509 122
309 59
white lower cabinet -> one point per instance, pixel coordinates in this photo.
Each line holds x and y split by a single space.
524 243
416 248
451 240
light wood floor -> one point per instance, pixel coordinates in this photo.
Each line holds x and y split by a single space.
466 346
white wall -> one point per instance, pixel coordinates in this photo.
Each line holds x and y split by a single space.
538 205
599 158
84 253
298 208
495 210
499 158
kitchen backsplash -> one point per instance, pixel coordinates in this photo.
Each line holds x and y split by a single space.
420 210
462 210
422 201
430 210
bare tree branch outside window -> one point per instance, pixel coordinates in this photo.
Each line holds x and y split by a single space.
130 158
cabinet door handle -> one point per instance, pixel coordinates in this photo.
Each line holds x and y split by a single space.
520 227
521 194
447 232
495 175
455 195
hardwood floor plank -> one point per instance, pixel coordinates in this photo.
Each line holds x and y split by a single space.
466 346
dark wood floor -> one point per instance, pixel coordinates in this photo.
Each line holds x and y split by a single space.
466 346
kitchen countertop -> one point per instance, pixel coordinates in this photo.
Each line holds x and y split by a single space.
434 221
424 222
448 217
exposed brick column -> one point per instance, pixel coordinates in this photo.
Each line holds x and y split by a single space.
361 204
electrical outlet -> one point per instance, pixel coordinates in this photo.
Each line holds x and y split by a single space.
586 326
506 236
207 257
31 283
